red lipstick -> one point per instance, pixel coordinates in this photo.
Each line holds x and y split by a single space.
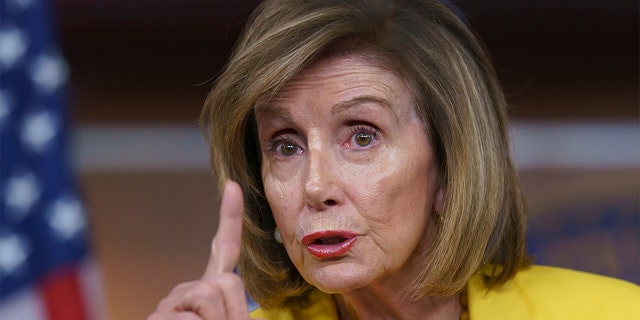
329 244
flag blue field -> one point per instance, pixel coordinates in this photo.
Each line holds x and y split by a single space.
46 270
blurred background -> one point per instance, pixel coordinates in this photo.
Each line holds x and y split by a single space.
139 72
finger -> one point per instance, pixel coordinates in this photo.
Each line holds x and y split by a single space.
172 299
225 247
175 307
235 301
205 299
218 296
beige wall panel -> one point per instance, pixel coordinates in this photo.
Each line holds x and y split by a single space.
152 230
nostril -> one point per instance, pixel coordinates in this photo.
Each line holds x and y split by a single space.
329 202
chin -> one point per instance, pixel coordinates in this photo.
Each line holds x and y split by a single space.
338 277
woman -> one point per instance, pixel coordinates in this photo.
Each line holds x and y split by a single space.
369 143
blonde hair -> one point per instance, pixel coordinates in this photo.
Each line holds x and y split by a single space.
458 97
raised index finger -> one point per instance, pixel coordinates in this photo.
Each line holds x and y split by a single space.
225 247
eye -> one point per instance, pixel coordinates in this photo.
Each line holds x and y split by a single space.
283 147
363 139
287 148
363 136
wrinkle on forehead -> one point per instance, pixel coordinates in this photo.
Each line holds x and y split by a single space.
355 66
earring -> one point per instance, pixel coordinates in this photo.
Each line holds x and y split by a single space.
437 218
277 236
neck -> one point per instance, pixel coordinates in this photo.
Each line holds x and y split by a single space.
387 305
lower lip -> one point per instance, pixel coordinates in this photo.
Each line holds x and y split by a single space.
324 251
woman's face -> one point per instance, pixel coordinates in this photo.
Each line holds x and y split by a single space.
349 173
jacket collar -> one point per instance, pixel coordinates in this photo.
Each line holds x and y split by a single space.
503 302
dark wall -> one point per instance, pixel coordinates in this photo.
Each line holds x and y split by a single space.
152 61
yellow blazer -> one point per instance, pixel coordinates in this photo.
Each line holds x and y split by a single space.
534 293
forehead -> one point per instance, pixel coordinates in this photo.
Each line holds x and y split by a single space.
341 77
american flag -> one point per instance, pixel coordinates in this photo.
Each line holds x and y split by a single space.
46 271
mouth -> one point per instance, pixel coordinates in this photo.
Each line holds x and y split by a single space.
329 244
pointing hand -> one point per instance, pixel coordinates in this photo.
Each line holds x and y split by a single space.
220 293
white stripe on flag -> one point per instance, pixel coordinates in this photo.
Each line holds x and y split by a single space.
23 305
92 290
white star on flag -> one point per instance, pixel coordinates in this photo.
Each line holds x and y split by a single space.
13 45
38 130
48 72
13 253
23 4
67 218
21 192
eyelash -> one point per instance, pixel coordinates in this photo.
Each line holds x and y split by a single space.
365 129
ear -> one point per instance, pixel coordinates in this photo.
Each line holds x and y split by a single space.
438 205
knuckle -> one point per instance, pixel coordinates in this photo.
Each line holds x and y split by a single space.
167 303
192 296
229 279
202 290
173 300
181 287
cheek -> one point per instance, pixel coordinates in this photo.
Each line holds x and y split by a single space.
283 201
403 193
403 226
399 184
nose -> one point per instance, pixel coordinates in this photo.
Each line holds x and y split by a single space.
321 188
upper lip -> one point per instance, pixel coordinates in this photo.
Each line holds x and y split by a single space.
326 234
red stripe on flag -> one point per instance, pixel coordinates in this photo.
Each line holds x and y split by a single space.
62 295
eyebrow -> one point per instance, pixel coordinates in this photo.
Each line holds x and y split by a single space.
272 110
345 105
